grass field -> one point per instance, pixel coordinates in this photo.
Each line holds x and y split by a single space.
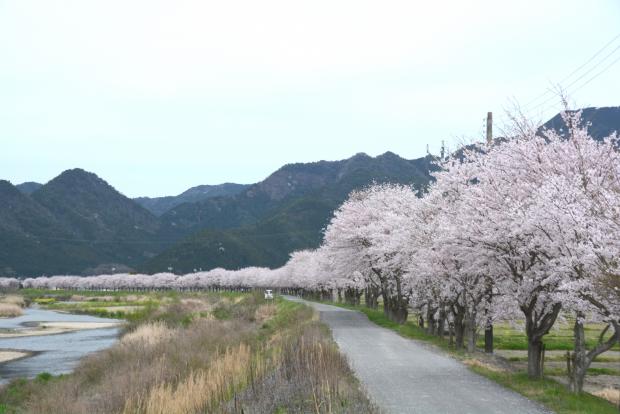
559 338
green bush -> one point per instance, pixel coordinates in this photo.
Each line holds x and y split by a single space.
45 301
44 377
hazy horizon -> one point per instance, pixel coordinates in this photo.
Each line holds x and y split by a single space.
157 97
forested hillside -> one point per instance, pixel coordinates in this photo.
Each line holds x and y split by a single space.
285 212
78 223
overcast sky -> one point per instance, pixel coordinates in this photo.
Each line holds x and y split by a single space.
158 96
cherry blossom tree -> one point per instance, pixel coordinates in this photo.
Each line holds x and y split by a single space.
363 239
523 211
580 205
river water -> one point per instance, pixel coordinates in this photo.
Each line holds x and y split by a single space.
58 353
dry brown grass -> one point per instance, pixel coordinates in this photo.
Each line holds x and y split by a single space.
166 364
308 375
134 298
477 363
610 394
159 351
196 305
265 312
15 300
10 310
201 389
149 334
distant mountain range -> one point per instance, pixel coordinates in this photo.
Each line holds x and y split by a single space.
79 224
29 187
603 121
287 211
159 205
73 223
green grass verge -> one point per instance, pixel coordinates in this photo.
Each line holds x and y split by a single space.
550 393
507 337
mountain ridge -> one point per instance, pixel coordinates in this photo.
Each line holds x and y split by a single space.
78 223
160 205
29 187
74 222
296 222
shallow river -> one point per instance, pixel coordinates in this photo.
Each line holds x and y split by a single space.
58 353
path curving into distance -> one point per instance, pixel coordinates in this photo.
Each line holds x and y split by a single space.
403 376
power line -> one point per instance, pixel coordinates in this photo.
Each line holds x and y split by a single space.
575 71
594 67
605 69
598 74
589 80
600 62
591 59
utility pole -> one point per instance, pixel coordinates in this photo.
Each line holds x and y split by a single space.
443 149
489 128
488 329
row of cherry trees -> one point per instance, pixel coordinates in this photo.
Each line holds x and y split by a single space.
216 279
527 229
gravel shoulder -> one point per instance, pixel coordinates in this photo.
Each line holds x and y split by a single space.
404 376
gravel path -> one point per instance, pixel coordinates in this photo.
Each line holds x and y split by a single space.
403 376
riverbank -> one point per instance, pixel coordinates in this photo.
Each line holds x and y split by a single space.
197 352
54 328
41 340
7 355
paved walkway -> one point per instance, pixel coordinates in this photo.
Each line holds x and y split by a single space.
403 376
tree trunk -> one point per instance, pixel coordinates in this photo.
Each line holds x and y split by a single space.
579 357
372 295
430 321
395 310
534 359
459 332
352 296
398 315
450 333
470 330
488 330
387 305
580 360
459 326
441 326
536 327
488 339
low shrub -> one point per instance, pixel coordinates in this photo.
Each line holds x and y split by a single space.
148 334
45 301
10 310
15 300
